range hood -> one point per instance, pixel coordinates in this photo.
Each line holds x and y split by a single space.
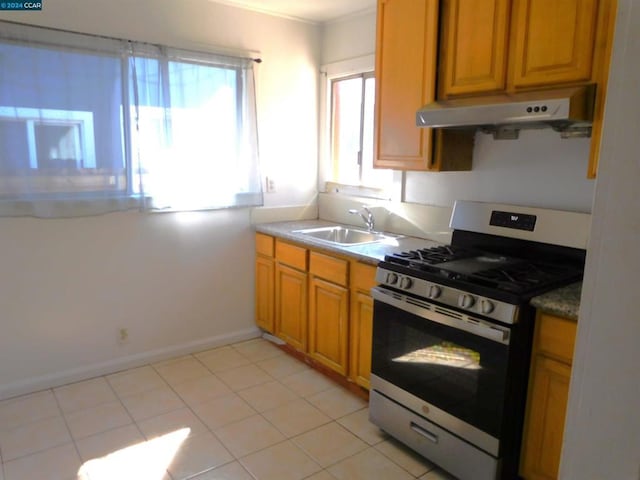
568 111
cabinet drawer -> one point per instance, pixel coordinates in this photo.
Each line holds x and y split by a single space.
291 255
556 336
264 244
363 276
330 268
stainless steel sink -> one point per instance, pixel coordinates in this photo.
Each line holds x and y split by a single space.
343 235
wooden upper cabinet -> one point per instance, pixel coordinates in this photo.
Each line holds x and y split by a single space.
497 46
473 48
601 61
489 46
406 46
553 41
406 62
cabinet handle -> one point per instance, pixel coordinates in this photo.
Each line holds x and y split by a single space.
425 433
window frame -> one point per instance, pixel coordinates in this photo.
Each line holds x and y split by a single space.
326 181
363 76
246 193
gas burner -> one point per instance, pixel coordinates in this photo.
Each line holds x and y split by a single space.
432 256
525 276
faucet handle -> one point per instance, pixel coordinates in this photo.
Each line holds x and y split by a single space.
368 218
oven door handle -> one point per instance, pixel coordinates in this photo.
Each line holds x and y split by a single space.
427 311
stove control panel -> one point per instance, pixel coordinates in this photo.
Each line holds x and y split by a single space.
453 297
518 221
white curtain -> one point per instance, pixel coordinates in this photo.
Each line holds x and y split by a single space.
91 125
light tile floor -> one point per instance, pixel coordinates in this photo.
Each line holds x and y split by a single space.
241 412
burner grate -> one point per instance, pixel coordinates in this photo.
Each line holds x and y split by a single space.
433 255
522 277
464 267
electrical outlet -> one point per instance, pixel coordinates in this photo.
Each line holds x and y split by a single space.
123 336
271 185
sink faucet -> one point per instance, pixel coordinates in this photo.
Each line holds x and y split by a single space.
368 218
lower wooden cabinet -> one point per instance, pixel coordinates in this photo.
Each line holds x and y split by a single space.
265 282
329 324
291 306
363 279
552 356
318 303
265 293
360 338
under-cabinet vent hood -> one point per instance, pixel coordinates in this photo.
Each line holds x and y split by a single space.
568 111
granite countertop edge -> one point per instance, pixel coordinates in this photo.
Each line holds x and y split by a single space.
563 301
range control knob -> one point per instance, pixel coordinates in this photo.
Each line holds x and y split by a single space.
406 282
434 291
466 301
392 278
486 306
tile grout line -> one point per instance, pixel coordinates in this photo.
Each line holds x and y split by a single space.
236 392
255 362
190 408
64 419
60 414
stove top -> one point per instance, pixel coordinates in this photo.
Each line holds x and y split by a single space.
504 277
500 257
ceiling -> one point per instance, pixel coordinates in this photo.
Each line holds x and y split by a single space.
316 11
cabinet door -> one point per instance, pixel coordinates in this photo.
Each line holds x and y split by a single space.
602 57
405 80
360 337
553 41
545 425
473 51
265 315
328 324
291 306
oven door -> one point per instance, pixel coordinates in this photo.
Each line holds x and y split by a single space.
444 365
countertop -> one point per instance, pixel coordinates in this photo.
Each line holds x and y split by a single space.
370 253
563 302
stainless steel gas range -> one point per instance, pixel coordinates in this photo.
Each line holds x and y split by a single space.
452 333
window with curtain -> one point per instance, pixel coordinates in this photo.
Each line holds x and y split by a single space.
92 125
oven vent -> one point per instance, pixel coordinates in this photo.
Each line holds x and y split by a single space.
449 313
416 302
433 308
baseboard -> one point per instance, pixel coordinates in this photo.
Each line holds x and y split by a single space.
44 382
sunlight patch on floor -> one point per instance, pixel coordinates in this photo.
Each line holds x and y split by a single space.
143 461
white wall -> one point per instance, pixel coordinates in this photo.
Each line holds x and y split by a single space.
602 435
539 169
176 281
349 37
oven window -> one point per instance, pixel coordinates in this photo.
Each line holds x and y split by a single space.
458 372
